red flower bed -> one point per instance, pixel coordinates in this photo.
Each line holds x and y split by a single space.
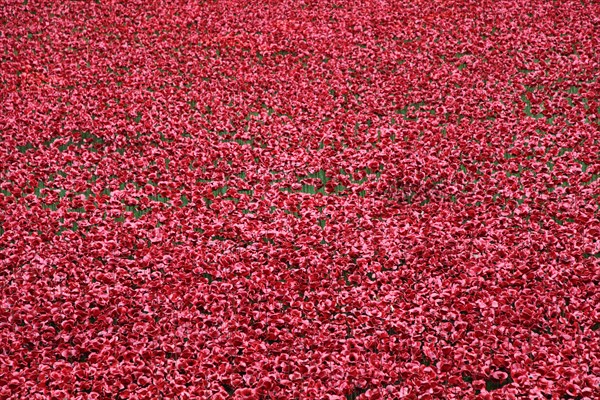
300 199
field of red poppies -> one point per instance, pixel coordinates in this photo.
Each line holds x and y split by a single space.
300 199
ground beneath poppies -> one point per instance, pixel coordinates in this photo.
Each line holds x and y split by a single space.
299 199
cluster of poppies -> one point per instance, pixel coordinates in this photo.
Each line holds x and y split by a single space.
300 199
